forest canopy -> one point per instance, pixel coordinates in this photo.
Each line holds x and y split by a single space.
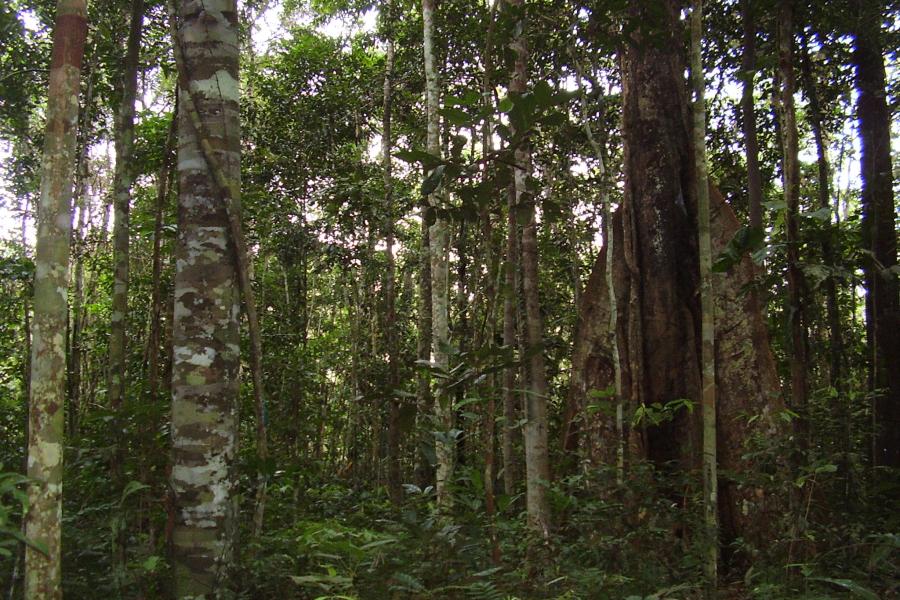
513 299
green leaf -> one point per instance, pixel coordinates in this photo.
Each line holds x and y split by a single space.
505 105
456 116
849 585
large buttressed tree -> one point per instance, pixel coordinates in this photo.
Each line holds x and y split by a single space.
205 338
657 287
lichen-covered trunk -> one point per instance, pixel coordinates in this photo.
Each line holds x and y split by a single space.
205 336
46 422
791 184
656 260
439 242
537 458
424 474
878 228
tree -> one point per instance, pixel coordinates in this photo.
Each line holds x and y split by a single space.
122 181
206 342
439 242
791 178
748 114
657 280
707 306
43 562
878 227
537 458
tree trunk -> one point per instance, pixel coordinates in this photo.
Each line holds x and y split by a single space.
439 245
656 266
791 176
748 115
390 295
511 431
832 308
707 308
537 459
878 229
48 359
123 177
156 319
424 400
206 340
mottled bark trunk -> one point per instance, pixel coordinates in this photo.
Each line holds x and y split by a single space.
390 295
537 459
879 230
791 184
748 115
656 266
707 308
48 359
206 341
439 241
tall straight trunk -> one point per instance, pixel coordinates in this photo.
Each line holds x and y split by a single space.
832 308
486 334
123 177
537 458
122 181
46 421
76 315
707 307
791 176
156 320
390 294
748 115
878 228
439 240
511 431
424 399
205 336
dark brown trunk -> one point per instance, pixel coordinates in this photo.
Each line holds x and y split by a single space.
656 283
748 115
878 229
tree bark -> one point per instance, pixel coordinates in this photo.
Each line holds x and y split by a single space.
439 240
206 340
878 229
791 177
123 177
537 459
832 308
748 115
46 420
390 295
707 308
656 266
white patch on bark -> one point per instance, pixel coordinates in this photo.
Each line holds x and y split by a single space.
220 85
